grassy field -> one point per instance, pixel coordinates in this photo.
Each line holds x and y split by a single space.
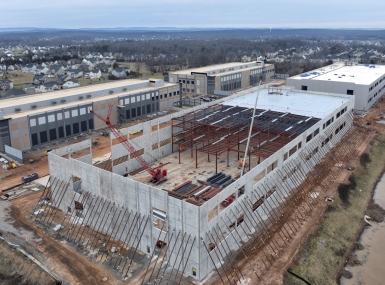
19 78
320 260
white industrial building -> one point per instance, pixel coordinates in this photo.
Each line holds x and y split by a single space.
366 82
291 134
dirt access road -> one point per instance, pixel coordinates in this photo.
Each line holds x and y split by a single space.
63 260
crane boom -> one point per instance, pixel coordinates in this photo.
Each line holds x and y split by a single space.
158 174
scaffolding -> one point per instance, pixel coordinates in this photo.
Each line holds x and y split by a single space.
275 88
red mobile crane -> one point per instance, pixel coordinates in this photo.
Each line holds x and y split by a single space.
157 174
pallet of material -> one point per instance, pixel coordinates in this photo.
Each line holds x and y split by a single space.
180 186
16 194
194 202
176 195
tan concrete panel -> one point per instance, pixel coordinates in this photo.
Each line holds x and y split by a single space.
16 143
24 124
14 126
26 142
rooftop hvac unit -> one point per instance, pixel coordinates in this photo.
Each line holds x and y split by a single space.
124 89
33 106
80 97
111 91
63 100
18 109
89 96
54 102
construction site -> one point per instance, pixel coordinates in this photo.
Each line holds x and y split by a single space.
207 195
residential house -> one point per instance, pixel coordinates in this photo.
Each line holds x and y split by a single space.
6 84
41 70
75 73
119 73
63 78
84 67
3 67
104 68
39 79
57 70
108 61
1 73
94 74
71 83
31 67
49 86
11 68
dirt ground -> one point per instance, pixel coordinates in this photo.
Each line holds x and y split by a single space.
65 261
274 276
16 268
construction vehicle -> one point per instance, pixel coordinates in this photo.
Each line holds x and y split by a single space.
158 174
47 151
29 178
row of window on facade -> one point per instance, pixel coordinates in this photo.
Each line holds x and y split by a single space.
61 132
230 77
59 116
231 86
139 111
331 120
376 84
188 81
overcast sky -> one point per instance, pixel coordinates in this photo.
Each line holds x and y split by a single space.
193 13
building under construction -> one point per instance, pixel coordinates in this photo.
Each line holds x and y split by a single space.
205 216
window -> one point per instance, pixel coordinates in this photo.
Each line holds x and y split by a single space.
184 81
133 112
42 120
75 128
192 81
43 137
128 114
68 130
133 99
51 118
184 89
59 116
165 96
91 124
316 132
126 101
32 122
192 90
61 132
188 89
148 96
148 108
304 87
143 97
83 126
138 98
349 92
188 81
138 109
161 96
34 139
52 134
74 113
